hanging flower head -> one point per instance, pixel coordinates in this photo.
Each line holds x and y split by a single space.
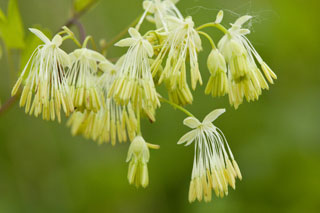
214 166
44 77
218 81
246 80
112 121
138 156
134 81
82 78
182 41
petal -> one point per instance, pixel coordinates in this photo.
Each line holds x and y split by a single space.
148 5
146 44
64 58
244 31
213 115
219 17
40 35
106 66
57 40
125 42
191 122
243 19
134 33
188 138
97 56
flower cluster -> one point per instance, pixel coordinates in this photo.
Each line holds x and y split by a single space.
214 166
106 101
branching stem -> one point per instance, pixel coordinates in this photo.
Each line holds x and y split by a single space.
209 38
176 106
216 25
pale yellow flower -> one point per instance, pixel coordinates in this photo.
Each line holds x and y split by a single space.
134 81
246 80
218 81
82 79
44 77
182 42
112 122
214 167
138 156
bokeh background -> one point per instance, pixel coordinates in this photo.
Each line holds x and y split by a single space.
275 140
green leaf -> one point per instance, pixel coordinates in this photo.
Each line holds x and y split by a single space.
82 5
32 42
11 27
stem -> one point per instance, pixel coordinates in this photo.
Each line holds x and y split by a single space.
73 39
6 106
216 25
176 106
85 43
82 31
209 39
138 121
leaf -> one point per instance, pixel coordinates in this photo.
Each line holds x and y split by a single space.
32 42
11 27
82 5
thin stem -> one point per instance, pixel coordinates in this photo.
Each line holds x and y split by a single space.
138 121
73 39
6 106
176 106
82 31
85 43
209 38
216 25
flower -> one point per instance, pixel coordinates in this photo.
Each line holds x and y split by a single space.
245 78
182 41
112 121
44 76
214 166
180 94
134 81
161 10
82 78
138 156
218 81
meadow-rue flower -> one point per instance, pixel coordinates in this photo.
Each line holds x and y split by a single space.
218 81
112 121
246 80
214 166
134 82
180 94
44 76
81 79
161 9
138 156
182 41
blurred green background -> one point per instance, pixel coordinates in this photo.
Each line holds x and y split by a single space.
276 140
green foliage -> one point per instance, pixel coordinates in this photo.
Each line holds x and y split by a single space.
11 27
82 5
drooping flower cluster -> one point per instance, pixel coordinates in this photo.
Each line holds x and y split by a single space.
106 101
214 167
44 77
237 73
